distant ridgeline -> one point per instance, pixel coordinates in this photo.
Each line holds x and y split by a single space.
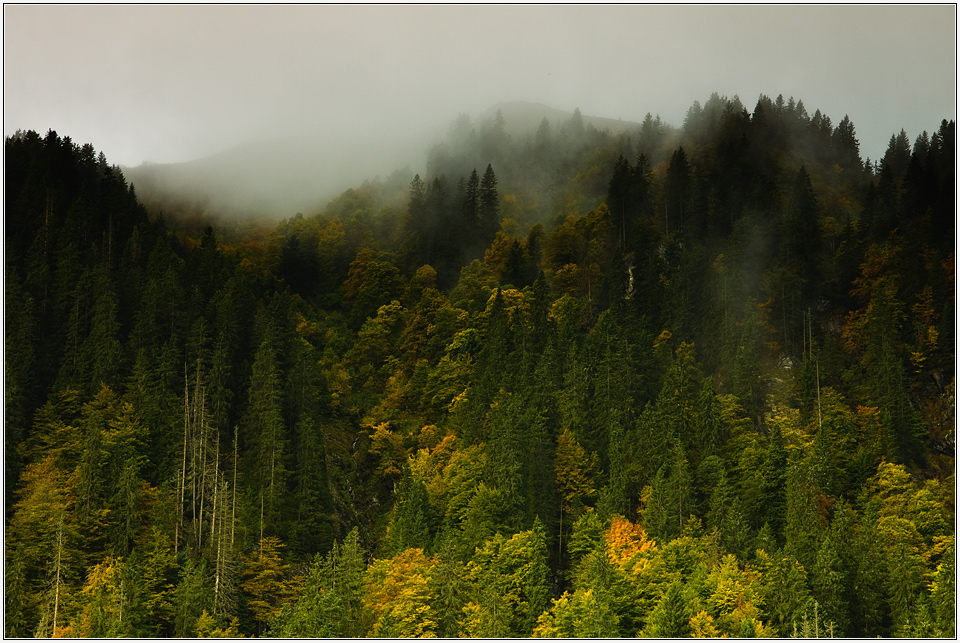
573 381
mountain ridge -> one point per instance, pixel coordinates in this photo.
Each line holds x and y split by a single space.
521 117
276 178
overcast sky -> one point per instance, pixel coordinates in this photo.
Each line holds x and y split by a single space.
170 83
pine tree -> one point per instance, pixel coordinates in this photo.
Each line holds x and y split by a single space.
536 584
656 516
412 521
449 587
505 454
676 191
872 615
331 603
312 531
537 466
488 205
267 433
846 147
679 493
823 468
773 487
943 597
786 594
746 365
470 209
671 618
192 598
616 499
827 583
20 374
803 527
15 595
573 475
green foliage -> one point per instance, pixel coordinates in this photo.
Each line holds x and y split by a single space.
192 598
331 602
509 586
412 522
671 618
486 378
266 429
582 615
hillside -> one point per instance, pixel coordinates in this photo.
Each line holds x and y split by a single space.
524 118
269 179
667 382
275 179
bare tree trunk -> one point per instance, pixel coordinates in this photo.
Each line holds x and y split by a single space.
56 591
218 567
560 535
273 462
182 481
203 459
195 454
819 418
216 488
233 517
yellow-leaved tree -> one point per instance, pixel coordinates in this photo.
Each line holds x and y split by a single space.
266 581
399 595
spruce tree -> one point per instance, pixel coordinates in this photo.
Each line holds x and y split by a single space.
488 206
412 522
773 487
671 618
827 584
266 433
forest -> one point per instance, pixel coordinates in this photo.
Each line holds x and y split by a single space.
680 381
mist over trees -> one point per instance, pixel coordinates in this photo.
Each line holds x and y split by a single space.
566 382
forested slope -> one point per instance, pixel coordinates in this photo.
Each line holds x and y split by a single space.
690 381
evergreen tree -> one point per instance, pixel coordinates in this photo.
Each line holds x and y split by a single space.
803 527
671 618
773 487
192 598
655 514
827 583
746 365
488 205
846 146
872 616
267 434
412 522
677 191
470 209
331 603
574 480
943 598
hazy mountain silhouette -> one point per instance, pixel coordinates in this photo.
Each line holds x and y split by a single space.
276 178
520 118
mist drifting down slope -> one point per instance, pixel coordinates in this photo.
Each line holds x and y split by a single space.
270 178
277 178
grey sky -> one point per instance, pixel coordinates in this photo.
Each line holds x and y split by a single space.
169 83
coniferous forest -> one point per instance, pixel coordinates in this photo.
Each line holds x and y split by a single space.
681 381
